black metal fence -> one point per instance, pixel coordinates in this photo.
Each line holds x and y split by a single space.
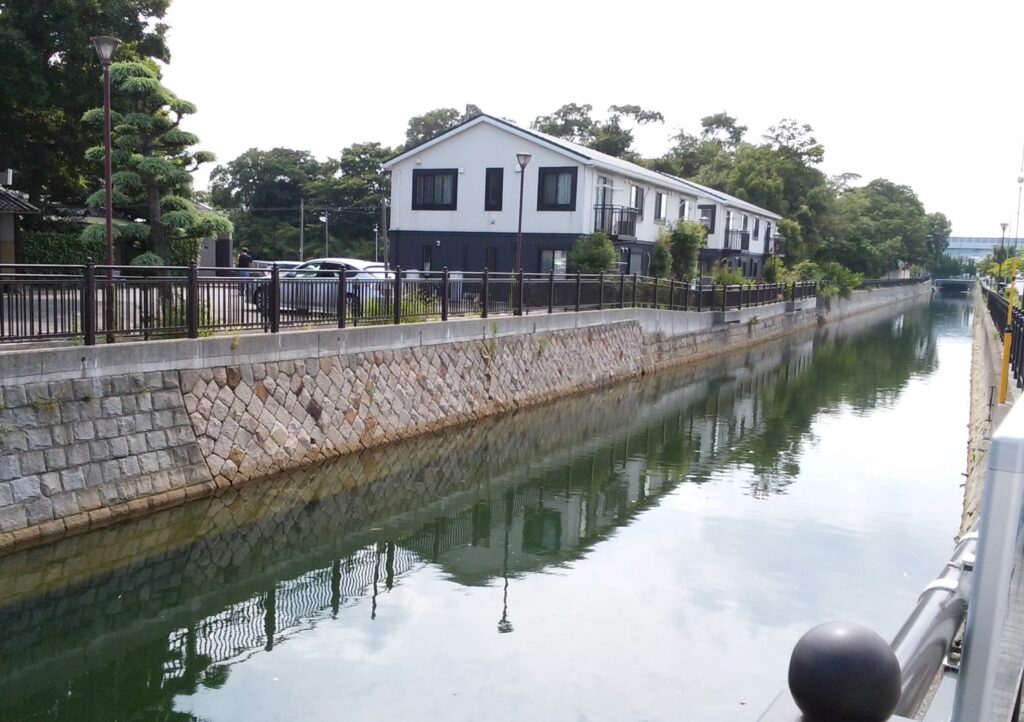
997 308
90 302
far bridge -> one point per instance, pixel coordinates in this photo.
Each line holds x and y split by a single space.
953 286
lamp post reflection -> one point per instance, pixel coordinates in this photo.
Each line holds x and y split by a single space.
504 625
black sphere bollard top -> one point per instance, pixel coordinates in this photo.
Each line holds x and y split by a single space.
843 672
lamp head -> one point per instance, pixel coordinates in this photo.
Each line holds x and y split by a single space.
105 46
522 159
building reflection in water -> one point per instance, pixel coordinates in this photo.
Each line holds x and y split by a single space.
169 603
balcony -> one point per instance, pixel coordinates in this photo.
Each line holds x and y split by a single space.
736 241
618 222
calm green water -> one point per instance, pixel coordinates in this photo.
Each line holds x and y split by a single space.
646 552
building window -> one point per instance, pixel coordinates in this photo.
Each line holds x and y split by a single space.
636 200
757 228
768 230
428 257
493 189
553 260
746 221
435 189
707 217
684 209
556 189
660 207
491 258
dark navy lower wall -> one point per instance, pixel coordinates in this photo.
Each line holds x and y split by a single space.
469 251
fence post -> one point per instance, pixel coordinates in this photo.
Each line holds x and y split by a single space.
520 293
484 293
397 300
444 293
600 292
89 303
342 297
700 296
622 290
551 292
274 302
579 290
655 293
192 301
634 290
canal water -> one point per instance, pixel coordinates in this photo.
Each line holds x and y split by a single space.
650 551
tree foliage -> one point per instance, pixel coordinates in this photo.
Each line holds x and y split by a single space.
434 122
51 76
593 253
661 255
153 160
686 241
573 123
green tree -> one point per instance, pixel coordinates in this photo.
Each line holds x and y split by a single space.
424 127
592 254
153 161
573 123
661 255
686 241
51 76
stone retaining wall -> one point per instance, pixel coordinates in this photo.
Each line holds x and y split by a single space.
95 434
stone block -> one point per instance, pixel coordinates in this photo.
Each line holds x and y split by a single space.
99 450
38 510
33 462
167 399
6 497
10 468
25 489
88 499
130 466
128 405
119 447
137 444
13 440
72 479
163 419
148 462
144 401
143 421
111 406
12 518
83 430
126 426
154 380
106 428
156 440
49 483
170 379
64 505
56 458
94 474
39 438
14 396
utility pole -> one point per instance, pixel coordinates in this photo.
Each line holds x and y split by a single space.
376 228
302 226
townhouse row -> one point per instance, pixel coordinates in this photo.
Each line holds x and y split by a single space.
460 199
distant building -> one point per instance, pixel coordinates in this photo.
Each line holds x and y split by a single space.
455 204
12 206
975 248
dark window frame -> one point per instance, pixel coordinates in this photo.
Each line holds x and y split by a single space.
543 173
494 185
427 257
637 199
419 176
714 214
553 252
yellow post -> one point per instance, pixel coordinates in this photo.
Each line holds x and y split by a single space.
1004 378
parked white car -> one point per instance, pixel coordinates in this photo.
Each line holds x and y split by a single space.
312 286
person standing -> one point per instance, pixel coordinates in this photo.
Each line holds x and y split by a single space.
244 262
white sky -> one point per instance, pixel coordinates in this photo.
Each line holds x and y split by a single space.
928 94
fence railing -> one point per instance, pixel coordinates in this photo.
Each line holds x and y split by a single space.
997 308
90 302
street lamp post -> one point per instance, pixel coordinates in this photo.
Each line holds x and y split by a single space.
105 46
522 159
375 229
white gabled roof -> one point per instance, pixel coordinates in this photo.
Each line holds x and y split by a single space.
592 157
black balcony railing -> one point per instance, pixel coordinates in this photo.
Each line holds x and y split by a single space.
737 240
615 221
43 302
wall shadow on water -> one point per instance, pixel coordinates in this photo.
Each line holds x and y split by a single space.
115 623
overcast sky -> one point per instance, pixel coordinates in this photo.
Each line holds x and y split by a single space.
928 94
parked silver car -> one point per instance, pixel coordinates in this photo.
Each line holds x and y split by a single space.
312 286
256 291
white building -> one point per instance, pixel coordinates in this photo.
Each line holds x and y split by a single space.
455 203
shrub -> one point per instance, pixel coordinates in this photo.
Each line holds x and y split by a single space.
60 243
592 254
686 241
661 256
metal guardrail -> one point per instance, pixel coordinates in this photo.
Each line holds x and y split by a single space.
997 308
90 302
983 583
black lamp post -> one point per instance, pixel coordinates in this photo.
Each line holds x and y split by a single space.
522 159
105 46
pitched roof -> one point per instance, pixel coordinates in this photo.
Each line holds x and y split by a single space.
597 158
11 202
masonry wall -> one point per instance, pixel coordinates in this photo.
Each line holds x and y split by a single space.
89 435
